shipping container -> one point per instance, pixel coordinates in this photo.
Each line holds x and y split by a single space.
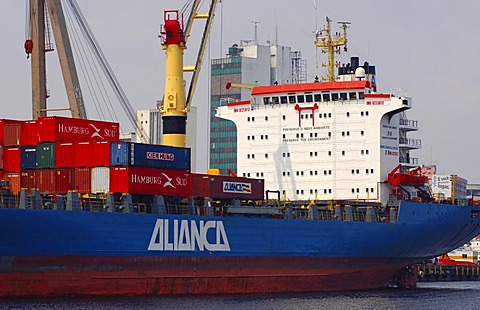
4 122
64 155
100 180
46 155
82 154
28 157
64 179
14 179
29 133
28 180
149 181
227 187
159 156
83 180
64 129
120 154
100 154
1 157
11 134
11 159
55 181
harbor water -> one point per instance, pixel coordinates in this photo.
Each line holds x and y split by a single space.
439 295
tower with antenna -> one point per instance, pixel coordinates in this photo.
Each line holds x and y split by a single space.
299 68
255 23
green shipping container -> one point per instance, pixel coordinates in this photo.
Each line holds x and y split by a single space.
46 155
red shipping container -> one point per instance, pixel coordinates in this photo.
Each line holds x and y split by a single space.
82 154
4 122
55 181
64 155
64 129
227 187
28 133
11 159
100 152
1 157
83 180
149 181
28 180
11 134
14 179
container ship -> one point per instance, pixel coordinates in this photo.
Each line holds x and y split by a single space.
84 214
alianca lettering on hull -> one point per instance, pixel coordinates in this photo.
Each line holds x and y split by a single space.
188 235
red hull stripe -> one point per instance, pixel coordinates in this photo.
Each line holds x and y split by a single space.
108 276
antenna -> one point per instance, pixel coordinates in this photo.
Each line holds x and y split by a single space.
256 31
316 29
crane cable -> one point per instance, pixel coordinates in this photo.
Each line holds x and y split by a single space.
120 94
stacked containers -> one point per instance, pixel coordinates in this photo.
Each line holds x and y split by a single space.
10 152
40 154
149 169
58 154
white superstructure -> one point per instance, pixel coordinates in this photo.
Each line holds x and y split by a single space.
326 140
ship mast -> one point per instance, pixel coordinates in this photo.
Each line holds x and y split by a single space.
330 46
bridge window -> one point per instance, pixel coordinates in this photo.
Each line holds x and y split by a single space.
317 97
343 96
309 98
361 95
335 97
275 100
300 99
326 97
283 99
352 95
266 100
291 99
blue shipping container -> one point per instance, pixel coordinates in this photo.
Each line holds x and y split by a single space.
159 156
28 157
119 154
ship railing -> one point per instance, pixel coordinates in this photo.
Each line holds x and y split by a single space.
409 160
410 142
408 123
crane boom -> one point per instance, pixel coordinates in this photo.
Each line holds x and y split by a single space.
201 50
65 56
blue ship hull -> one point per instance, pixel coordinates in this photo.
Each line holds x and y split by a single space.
46 252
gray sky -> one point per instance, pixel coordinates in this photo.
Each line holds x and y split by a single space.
429 48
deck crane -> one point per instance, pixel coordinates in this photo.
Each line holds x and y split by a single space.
37 32
35 45
175 102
